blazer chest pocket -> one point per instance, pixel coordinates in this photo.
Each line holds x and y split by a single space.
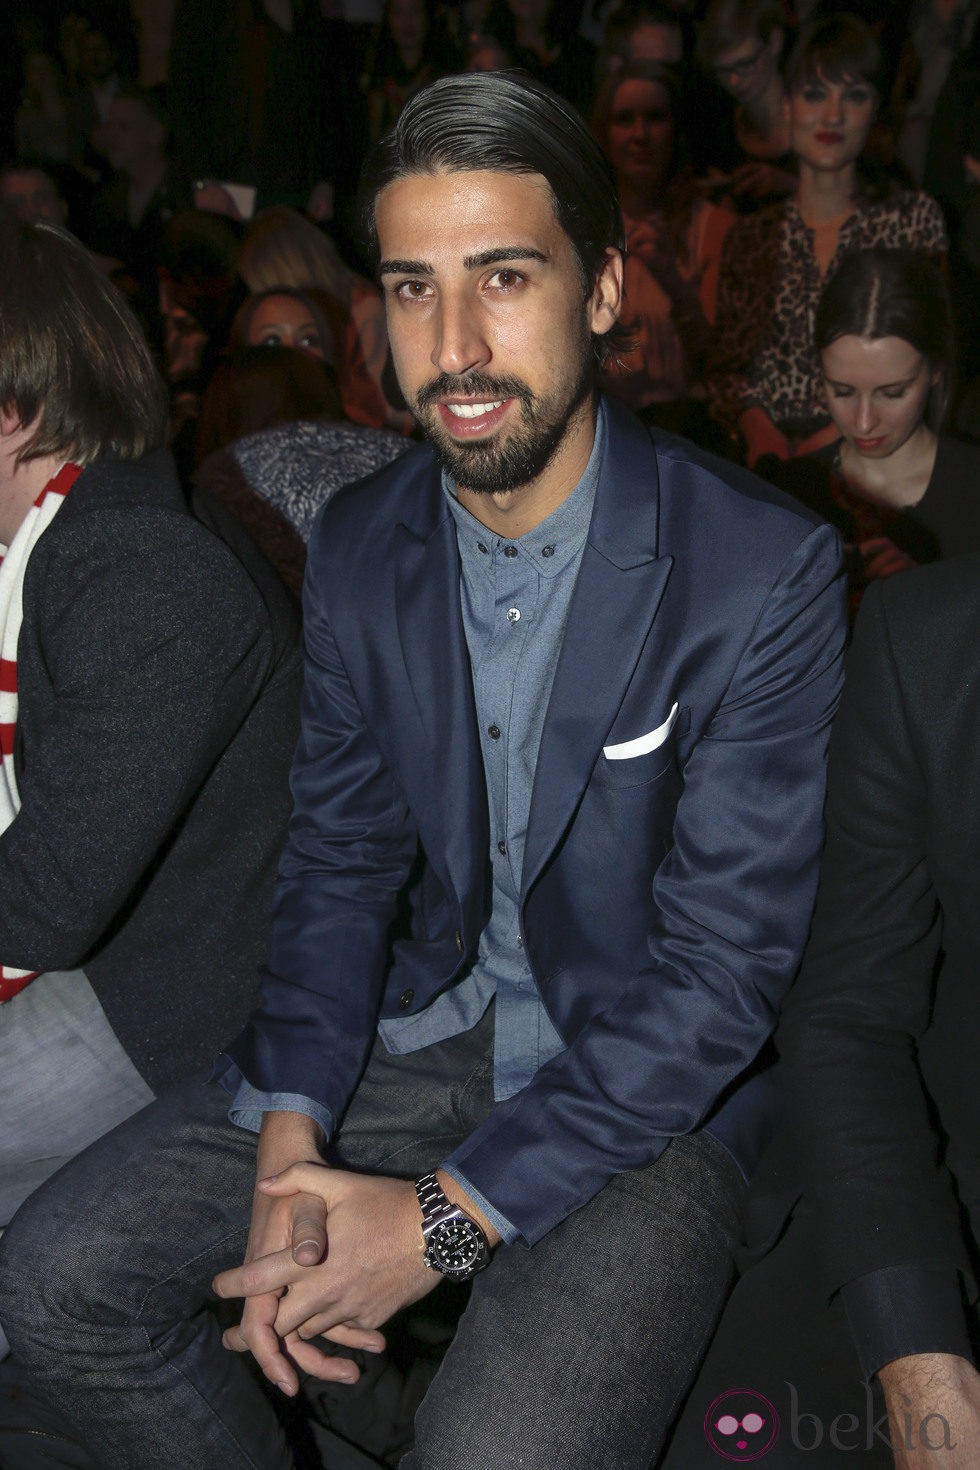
644 759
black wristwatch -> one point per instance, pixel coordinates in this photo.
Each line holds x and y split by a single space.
454 1244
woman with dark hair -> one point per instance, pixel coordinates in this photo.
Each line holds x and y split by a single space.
285 317
673 244
764 382
258 387
273 444
282 248
899 493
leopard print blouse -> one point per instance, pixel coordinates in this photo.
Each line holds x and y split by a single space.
768 291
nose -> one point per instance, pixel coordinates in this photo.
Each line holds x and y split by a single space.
865 416
833 108
460 341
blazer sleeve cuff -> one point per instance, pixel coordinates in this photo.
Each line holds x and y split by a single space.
507 1232
249 1105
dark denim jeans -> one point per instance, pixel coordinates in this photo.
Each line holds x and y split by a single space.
573 1355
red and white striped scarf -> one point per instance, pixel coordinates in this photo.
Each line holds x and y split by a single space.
12 568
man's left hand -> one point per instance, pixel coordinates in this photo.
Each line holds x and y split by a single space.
373 1265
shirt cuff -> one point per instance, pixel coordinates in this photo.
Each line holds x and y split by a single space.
903 1310
249 1105
503 1227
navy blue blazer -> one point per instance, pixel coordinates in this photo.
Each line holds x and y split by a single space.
665 898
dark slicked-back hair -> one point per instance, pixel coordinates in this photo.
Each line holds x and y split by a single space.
506 121
73 360
893 293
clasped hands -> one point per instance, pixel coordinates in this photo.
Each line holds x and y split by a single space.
331 1254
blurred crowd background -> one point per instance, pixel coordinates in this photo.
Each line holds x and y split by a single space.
207 152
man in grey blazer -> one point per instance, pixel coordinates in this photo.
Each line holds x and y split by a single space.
148 706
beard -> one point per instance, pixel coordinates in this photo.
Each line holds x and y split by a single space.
509 461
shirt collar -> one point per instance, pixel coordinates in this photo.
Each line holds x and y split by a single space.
559 538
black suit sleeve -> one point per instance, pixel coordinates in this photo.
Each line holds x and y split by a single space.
870 1155
904 1310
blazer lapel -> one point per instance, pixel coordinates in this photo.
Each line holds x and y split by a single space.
617 594
445 767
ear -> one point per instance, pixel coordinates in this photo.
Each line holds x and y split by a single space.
607 296
10 420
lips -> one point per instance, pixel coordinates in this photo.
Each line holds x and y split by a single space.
829 138
867 446
467 418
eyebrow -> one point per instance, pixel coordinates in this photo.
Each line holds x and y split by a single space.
495 256
878 388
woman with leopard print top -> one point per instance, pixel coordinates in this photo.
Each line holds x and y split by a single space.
764 378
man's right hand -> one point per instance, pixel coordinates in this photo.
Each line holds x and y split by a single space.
297 1224
933 1404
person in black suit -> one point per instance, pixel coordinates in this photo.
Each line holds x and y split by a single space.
880 1036
856 1316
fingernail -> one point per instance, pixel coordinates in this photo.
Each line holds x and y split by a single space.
286 1388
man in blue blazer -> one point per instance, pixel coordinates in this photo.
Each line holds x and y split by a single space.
551 867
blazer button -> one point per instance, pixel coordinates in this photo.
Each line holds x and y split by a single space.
405 999
459 941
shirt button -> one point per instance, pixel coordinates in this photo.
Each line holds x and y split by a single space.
480 547
513 615
494 732
510 551
501 847
459 941
405 999
547 551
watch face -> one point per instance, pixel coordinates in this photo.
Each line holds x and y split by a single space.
458 1247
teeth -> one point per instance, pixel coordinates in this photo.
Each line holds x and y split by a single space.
472 410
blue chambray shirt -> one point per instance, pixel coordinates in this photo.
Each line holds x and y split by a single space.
515 596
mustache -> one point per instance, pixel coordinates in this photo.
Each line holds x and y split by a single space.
472 385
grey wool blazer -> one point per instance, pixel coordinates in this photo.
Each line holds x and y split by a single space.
158 679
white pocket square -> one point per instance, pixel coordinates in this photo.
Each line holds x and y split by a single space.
643 744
